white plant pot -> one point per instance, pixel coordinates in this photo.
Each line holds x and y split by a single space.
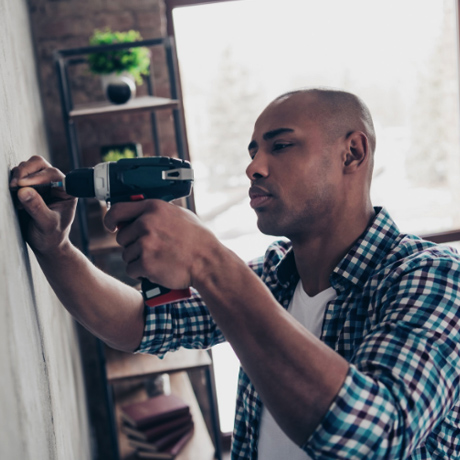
118 88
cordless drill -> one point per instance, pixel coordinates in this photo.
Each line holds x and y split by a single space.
135 179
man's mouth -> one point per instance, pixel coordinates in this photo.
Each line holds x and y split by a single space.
259 197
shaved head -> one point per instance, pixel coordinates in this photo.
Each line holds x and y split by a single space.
339 112
311 162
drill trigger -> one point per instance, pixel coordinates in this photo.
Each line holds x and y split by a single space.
139 197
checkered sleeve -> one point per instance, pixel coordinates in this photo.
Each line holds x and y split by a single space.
404 376
185 324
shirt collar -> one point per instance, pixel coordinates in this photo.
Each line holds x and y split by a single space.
286 270
367 252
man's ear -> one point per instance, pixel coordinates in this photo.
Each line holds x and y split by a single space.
356 152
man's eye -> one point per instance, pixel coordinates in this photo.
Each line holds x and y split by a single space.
281 145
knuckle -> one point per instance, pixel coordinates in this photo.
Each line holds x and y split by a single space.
153 206
34 206
151 243
55 172
143 225
37 158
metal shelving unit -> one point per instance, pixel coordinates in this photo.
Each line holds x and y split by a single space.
64 60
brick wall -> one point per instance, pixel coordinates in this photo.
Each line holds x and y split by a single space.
62 24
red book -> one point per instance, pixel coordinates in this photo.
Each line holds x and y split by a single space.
169 452
154 410
164 442
150 434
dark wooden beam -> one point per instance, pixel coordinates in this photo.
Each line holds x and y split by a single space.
171 4
443 237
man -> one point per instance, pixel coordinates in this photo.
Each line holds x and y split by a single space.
348 335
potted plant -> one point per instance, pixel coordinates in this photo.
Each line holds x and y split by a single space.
119 151
120 69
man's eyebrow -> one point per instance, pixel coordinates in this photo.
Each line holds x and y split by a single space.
270 135
276 132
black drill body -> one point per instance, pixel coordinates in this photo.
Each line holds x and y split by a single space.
136 179
162 178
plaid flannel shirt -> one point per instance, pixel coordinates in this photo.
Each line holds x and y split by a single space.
396 320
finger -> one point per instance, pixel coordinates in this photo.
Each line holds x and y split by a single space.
27 168
35 207
44 176
127 234
131 253
121 213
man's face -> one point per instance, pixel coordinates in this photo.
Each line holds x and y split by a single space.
295 173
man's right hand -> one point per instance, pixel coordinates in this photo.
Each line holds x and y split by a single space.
48 225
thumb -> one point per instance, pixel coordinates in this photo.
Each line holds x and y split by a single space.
34 205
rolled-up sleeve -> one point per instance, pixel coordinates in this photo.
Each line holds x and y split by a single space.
185 324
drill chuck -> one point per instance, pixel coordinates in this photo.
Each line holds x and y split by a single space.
80 183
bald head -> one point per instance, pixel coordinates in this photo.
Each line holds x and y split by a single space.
338 112
311 163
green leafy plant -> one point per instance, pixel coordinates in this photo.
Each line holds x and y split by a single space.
135 61
115 154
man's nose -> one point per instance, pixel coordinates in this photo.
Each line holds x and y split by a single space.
258 168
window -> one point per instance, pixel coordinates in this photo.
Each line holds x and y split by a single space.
399 56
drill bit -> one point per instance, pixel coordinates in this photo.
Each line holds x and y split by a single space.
43 189
39 187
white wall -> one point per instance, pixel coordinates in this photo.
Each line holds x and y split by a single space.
42 400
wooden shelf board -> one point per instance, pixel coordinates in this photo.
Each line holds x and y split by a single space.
200 445
136 104
123 366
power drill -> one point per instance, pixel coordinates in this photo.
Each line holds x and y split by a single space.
135 179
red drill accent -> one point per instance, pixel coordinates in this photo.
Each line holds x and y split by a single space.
171 296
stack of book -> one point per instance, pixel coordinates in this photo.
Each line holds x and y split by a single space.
158 427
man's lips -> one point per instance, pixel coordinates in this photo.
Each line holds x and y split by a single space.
259 196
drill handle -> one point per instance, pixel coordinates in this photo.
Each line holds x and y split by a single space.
154 294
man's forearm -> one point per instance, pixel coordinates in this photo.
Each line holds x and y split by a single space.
105 306
296 374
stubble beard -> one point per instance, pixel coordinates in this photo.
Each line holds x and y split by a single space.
312 219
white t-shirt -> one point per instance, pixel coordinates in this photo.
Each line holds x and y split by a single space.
309 311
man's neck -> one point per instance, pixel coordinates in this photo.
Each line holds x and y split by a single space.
316 256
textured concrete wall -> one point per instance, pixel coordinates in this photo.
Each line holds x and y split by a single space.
42 400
